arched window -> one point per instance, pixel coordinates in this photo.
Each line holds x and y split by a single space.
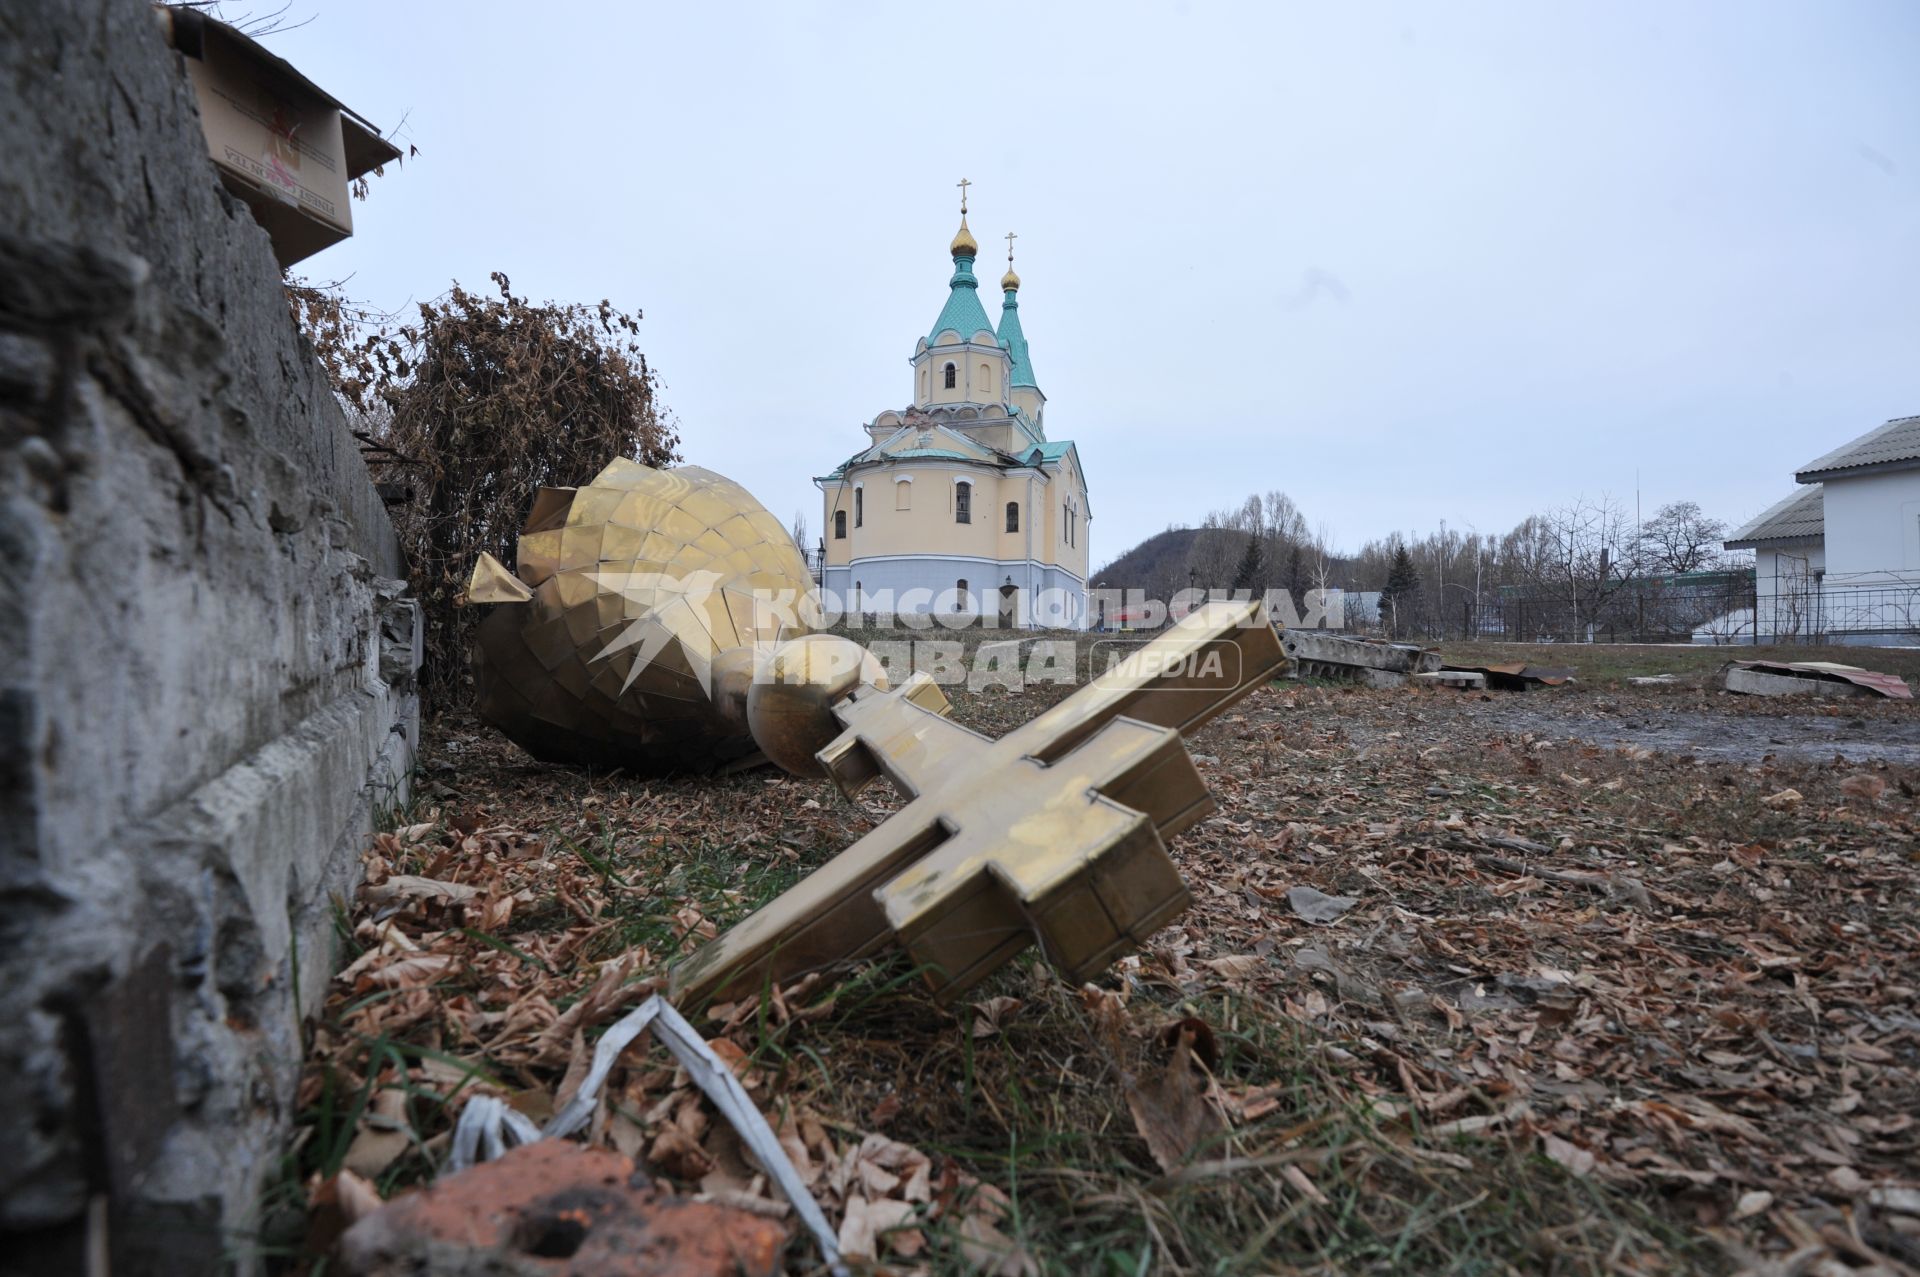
839 525
1013 516
903 494
963 502
859 506
986 378
950 372
857 591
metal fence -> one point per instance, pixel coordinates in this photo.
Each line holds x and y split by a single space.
1707 608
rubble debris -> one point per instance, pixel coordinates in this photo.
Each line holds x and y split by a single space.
486 1121
1518 676
1655 680
1810 678
1465 680
1369 662
553 1207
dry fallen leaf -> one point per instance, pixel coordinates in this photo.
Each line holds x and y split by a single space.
1173 1111
410 972
1864 785
1576 1159
988 1016
1235 966
414 887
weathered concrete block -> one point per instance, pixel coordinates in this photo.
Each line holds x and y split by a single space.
1465 680
1353 660
1761 683
208 686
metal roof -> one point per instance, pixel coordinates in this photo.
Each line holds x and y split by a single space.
1037 456
1799 517
963 312
1894 446
1014 338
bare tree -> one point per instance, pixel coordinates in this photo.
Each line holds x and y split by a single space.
1579 555
1681 538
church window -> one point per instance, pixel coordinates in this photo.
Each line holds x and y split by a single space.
903 494
986 378
949 375
859 506
1013 516
963 502
839 525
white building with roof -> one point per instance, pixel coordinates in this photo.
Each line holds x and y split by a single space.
959 504
1840 557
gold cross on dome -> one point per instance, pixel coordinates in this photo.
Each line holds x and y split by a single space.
1054 833
1010 238
963 184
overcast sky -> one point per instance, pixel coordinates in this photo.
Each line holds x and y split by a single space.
1405 263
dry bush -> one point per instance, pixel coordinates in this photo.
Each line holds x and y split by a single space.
473 408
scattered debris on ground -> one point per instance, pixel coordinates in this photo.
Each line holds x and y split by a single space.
1517 676
1342 659
1810 678
1559 1000
558 1208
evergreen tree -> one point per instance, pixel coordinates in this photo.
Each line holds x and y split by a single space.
1401 591
1251 574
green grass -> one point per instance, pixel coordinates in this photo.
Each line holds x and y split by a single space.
1038 1109
1614 662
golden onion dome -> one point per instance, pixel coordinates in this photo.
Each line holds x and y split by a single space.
964 244
1010 282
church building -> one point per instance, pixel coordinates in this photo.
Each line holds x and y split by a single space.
959 504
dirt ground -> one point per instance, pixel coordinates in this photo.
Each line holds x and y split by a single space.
1600 978
1679 720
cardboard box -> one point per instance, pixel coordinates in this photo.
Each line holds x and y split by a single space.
280 142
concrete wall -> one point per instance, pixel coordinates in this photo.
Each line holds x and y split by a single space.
207 687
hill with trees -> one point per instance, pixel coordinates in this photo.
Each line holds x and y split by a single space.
1560 573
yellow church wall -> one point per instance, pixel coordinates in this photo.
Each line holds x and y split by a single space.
928 526
1028 400
969 386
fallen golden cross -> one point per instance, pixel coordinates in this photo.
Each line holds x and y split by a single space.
1055 833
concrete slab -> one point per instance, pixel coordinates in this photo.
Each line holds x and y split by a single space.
1761 683
1465 680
